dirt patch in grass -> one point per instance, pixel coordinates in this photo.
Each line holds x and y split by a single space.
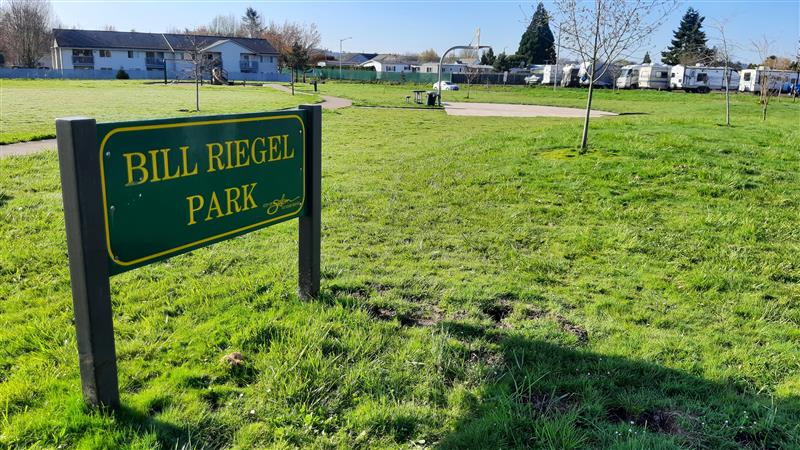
546 403
577 330
431 317
658 421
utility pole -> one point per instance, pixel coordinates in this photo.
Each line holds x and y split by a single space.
341 54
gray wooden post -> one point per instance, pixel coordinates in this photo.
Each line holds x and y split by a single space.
79 162
310 223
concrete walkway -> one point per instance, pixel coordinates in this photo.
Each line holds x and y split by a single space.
26 148
506 110
328 101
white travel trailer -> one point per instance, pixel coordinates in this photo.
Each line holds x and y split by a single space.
603 75
654 76
629 77
571 75
698 78
752 78
552 74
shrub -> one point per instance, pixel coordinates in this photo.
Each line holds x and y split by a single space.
122 75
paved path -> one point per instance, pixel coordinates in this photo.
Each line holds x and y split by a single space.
26 148
506 110
328 101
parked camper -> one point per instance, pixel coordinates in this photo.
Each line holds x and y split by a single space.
696 78
552 74
570 75
654 76
603 75
752 78
629 77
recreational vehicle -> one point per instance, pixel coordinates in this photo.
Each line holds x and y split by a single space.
629 77
603 75
551 74
570 75
654 76
696 78
753 78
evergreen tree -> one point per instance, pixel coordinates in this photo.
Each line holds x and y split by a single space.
689 41
500 63
487 59
646 59
252 24
536 44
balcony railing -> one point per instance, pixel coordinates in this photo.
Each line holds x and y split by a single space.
248 66
83 60
154 62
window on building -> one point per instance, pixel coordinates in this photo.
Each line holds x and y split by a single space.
702 77
747 76
105 53
130 53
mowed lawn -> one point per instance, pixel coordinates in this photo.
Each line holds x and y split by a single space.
484 286
28 108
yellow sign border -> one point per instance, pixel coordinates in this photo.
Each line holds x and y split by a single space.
180 125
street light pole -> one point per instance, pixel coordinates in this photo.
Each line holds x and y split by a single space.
340 55
441 61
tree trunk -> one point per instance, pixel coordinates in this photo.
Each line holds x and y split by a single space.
585 135
292 80
727 97
197 90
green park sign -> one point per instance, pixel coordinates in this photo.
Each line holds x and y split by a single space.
139 192
170 186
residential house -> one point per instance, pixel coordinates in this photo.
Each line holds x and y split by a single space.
348 60
113 50
391 63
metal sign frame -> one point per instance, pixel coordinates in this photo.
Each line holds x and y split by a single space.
82 182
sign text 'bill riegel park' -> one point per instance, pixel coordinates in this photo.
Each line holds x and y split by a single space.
139 192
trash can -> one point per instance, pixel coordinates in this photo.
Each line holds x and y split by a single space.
431 98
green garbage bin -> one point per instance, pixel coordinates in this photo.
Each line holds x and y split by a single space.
431 98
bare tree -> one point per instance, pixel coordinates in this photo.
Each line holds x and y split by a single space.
599 31
767 77
199 61
284 36
428 55
224 26
26 30
724 55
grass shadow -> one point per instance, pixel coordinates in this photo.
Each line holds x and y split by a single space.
4 198
548 396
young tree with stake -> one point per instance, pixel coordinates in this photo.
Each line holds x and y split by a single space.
600 31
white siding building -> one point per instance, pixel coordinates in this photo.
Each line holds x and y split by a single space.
390 63
130 51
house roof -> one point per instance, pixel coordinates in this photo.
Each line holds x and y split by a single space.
386 58
151 41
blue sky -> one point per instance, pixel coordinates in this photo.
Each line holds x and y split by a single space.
406 26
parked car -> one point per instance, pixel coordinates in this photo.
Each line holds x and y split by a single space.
446 86
531 80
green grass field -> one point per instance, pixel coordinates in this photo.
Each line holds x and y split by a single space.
484 286
28 109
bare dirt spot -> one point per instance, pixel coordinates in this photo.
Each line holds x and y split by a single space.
498 310
433 316
659 421
544 403
577 330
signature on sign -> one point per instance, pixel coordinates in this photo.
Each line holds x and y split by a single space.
279 204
